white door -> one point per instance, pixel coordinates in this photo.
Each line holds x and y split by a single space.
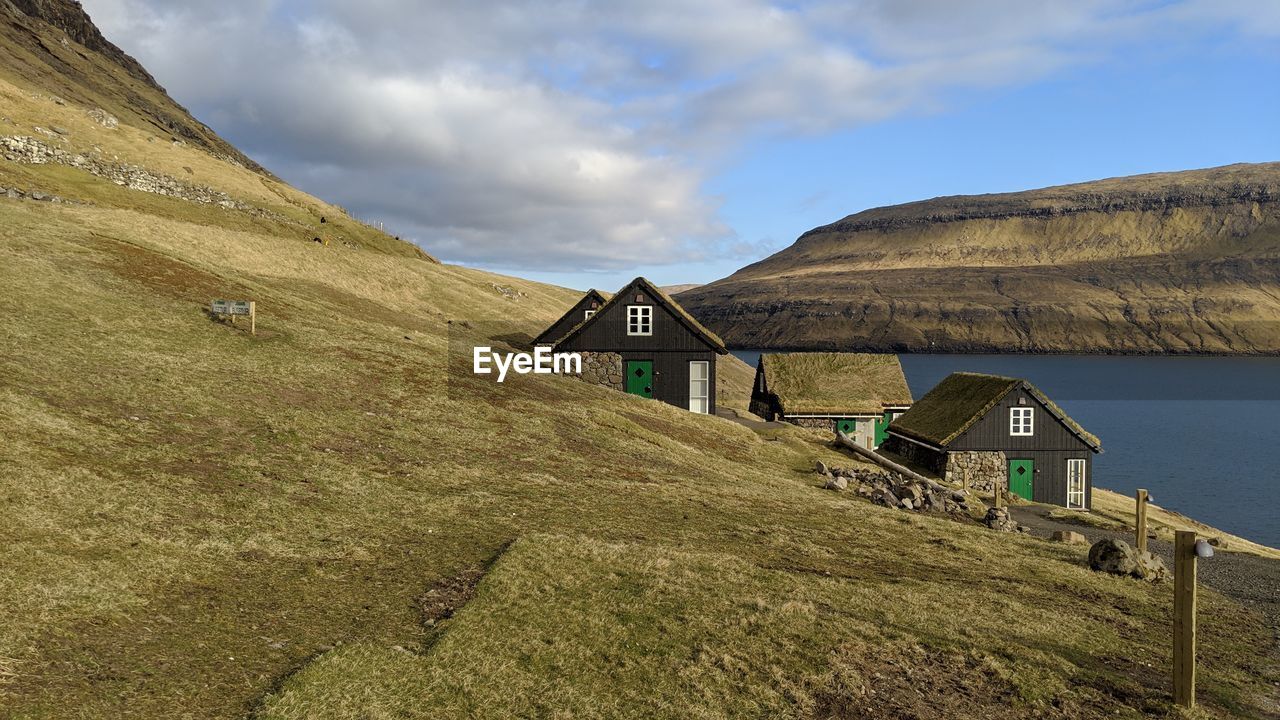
1075 483
699 386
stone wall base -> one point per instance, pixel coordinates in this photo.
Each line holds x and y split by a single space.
979 470
601 368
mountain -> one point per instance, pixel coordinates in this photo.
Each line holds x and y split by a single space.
335 518
1182 262
55 42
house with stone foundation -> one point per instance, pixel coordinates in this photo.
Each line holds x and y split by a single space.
858 394
642 342
989 431
581 310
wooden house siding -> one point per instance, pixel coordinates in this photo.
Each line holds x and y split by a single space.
1053 442
672 345
609 332
1049 446
591 301
991 431
671 375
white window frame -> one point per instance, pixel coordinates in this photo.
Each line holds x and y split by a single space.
699 386
1022 421
1082 477
588 314
640 320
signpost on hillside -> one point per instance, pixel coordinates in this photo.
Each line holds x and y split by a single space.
236 308
1140 524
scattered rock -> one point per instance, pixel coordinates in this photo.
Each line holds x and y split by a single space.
1117 557
31 151
890 489
103 118
837 483
1070 537
882 496
59 130
1218 542
997 518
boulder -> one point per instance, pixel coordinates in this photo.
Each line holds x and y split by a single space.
1117 557
882 496
1152 567
836 483
1070 537
821 468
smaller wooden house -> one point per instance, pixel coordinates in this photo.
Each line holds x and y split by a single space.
974 427
858 394
583 309
642 342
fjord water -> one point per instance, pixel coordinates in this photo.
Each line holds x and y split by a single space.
1201 433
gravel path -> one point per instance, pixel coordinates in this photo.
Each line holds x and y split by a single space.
1253 580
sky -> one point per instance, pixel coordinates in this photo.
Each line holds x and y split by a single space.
584 143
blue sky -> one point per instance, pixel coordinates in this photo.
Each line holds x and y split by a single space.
583 144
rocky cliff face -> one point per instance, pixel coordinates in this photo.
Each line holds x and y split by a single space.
1172 262
55 44
69 17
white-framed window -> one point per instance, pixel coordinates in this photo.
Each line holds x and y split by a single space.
639 319
1075 483
700 386
588 314
1022 421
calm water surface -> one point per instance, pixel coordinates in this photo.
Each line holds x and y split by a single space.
1201 433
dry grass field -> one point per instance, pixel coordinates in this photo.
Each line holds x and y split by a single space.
327 520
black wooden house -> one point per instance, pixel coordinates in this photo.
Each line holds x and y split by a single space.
585 308
1046 456
642 342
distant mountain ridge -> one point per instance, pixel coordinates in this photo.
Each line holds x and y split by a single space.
1165 262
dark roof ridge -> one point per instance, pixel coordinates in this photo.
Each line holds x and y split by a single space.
665 300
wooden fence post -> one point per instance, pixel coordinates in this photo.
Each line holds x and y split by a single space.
253 318
1140 531
1184 619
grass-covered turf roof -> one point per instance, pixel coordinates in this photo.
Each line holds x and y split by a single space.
835 383
961 399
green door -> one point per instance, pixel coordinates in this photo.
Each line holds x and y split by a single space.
1020 475
847 426
882 428
640 377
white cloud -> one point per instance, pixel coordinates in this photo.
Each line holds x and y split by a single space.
571 135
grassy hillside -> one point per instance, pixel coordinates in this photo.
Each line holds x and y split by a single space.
1171 262
329 519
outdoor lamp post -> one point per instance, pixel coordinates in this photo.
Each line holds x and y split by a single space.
1186 549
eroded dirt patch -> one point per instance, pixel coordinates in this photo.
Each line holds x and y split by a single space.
917 684
448 595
